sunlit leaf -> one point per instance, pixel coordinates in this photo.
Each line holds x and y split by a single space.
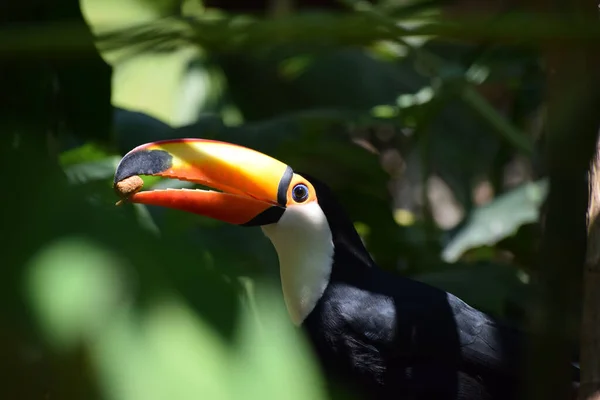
118 14
172 86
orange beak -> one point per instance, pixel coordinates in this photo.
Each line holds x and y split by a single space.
252 186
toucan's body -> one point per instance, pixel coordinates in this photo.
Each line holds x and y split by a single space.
376 334
387 336
421 343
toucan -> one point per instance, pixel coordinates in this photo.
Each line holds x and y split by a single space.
381 335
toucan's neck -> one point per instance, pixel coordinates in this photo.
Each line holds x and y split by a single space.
316 243
305 248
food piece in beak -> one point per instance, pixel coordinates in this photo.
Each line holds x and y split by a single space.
127 187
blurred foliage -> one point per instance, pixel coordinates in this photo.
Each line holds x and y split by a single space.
375 98
493 222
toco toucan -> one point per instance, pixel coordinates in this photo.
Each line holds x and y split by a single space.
380 334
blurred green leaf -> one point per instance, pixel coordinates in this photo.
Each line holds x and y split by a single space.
172 86
495 221
74 286
145 218
103 169
84 153
105 15
275 362
163 352
168 352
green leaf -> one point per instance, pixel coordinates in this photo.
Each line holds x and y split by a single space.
74 285
164 352
168 352
274 360
173 86
85 153
93 170
497 220
105 15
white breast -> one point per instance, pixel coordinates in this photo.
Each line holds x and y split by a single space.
304 244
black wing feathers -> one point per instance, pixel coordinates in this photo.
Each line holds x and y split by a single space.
401 336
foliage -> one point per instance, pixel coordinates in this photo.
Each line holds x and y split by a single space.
491 223
141 303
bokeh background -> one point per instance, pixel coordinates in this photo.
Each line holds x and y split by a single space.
424 116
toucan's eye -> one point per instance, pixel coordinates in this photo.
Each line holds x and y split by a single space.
300 193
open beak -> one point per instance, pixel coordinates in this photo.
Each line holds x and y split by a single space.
252 186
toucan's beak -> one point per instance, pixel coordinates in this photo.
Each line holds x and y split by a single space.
252 186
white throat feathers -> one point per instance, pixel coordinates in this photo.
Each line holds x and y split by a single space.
304 245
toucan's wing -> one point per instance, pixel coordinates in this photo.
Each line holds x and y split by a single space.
417 338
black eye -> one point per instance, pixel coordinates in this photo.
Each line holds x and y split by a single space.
300 193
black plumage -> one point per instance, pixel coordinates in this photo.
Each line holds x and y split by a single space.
389 337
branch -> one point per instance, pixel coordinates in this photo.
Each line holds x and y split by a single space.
573 121
590 324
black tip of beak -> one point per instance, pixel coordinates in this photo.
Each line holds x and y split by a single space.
143 162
